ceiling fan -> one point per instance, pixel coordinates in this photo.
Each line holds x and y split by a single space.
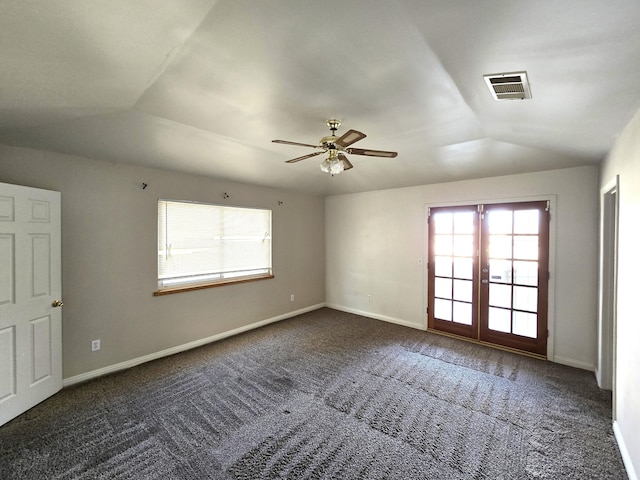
336 147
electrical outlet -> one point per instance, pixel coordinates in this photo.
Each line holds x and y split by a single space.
293 297
369 297
95 345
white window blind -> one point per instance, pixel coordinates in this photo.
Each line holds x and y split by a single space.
199 243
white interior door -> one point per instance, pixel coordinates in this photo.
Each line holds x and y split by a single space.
30 297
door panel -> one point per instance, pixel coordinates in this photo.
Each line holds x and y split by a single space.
41 351
40 265
30 280
7 363
514 259
488 273
453 270
7 284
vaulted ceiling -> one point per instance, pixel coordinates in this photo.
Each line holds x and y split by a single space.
203 86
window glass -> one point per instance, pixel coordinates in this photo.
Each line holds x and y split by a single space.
500 222
443 222
462 313
443 266
525 324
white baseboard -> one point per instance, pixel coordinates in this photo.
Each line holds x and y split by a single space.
376 316
573 363
626 458
83 377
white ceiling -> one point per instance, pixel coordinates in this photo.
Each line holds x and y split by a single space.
203 86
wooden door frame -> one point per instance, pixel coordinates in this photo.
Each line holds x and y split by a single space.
552 199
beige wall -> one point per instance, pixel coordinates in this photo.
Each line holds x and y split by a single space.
376 242
109 243
624 160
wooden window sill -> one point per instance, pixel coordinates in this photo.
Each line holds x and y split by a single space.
201 286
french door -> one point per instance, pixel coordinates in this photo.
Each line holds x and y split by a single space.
488 273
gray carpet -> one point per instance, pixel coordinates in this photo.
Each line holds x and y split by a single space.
323 395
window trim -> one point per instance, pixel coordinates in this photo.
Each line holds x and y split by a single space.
218 283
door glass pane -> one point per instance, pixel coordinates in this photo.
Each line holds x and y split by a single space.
500 319
500 221
463 245
463 222
500 246
443 287
443 245
525 298
443 222
526 221
525 248
500 271
462 268
525 324
463 290
526 273
462 313
442 309
500 295
443 266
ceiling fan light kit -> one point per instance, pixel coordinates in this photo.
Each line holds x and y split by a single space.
332 166
336 147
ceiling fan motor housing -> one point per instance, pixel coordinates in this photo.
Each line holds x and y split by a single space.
329 142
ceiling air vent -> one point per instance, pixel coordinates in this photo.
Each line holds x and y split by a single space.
508 86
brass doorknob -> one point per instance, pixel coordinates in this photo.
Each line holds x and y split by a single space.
57 303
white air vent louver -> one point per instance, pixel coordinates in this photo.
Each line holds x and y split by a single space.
508 86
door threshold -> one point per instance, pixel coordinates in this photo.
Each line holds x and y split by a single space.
489 344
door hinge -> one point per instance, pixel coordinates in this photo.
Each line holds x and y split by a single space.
548 275
547 333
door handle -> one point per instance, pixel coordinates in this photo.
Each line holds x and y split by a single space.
57 303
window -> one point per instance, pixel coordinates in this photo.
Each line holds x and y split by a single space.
206 245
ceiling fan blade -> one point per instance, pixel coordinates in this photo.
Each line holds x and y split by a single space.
345 161
286 142
372 153
297 159
352 136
